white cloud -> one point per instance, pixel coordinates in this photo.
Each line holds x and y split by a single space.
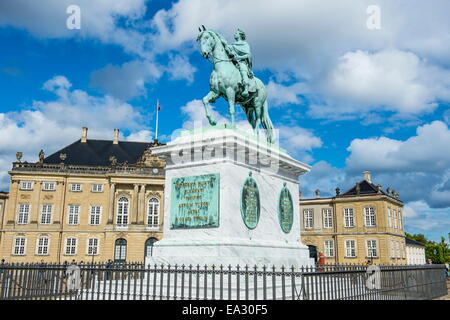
426 152
344 66
99 20
390 79
299 139
279 94
140 136
126 81
180 68
420 218
54 124
418 167
324 177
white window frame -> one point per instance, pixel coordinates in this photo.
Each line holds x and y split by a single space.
48 185
97 187
22 246
42 249
370 217
74 187
329 249
308 218
95 215
26 185
153 209
46 214
90 246
400 221
389 218
73 216
327 216
72 247
395 218
349 216
21 215
392 249
123 211
351 249
397 247
372 248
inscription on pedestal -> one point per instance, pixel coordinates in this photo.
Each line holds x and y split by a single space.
250 203
195 202
285 210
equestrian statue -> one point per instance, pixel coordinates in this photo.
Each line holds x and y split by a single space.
233 79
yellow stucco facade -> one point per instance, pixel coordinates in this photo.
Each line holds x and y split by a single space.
51 205
355 228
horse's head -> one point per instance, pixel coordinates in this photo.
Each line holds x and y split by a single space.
207 42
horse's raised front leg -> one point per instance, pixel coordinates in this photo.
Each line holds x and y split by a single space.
231 97
210 97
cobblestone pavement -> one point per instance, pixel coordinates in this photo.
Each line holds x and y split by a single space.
447 297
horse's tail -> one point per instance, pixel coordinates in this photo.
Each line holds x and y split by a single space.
267 123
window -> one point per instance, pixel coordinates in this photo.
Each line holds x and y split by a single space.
74 211
371 248
308 217
395 219
26 185
349 218
350 248
369 214
19 246
149 247
327 218
389 218
23 214
122 211
392 249
46 214
120 250
71 246
153 212
399 219
97 188
48 186
397 246
329 248
92 247
42 246
75 187
94 218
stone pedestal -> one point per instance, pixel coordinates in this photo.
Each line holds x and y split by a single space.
213 179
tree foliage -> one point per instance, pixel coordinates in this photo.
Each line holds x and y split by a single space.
438 252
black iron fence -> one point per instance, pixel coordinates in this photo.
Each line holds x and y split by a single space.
134 281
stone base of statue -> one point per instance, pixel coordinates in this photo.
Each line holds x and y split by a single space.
230 199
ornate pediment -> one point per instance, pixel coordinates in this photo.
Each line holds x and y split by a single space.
149 160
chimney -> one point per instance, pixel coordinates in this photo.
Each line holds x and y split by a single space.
84 131
367 176
116 136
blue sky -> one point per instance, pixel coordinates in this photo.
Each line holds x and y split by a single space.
344 97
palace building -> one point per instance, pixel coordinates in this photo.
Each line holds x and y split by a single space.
364 224
96 200
93 200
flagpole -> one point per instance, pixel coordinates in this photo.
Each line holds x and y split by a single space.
157 113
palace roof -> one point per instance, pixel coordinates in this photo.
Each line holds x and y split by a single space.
99 152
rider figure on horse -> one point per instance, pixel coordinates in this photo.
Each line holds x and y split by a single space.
239 52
